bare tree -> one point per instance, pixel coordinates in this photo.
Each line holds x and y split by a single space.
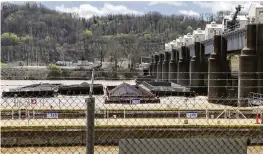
100 49
130 46
114 52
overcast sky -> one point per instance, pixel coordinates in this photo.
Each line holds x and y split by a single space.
88 9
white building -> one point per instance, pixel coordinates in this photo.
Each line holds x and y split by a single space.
212 29
64 63
243 21
255 13
179 42
168 46
199 35
188 39
173 44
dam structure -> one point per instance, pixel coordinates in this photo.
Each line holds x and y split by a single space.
205 67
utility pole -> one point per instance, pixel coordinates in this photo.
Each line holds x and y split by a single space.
90 112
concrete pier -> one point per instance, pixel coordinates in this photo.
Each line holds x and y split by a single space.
213 76
173 66
195 67
165 66
159 67
151 65
183 67
260 58
248 66
156 59
224 62
216 80
203 67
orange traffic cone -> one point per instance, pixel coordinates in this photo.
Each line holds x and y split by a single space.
257 118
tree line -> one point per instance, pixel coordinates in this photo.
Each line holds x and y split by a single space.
32 33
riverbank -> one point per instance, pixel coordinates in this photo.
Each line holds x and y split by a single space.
42 73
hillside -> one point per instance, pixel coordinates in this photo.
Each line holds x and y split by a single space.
33 33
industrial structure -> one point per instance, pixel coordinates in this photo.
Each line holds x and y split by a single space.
129 94
193 62
255 13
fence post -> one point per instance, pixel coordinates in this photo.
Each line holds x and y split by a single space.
28 114
33 114
90 125
206 114
19 114
107 114
124 113
12 113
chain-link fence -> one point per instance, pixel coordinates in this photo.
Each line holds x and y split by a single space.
138 115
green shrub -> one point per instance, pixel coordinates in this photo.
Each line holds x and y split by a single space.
54 71
3 65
